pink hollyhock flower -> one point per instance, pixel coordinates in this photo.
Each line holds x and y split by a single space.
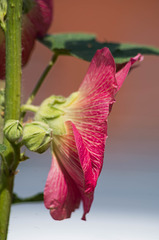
35 24
78 151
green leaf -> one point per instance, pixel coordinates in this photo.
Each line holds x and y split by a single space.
2 148
36 198
84 46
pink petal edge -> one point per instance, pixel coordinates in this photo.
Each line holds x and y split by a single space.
121 74
60 194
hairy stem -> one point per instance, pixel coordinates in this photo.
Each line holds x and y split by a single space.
12 109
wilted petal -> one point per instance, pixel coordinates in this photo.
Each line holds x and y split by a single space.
34 25
61 195
28 39
41 16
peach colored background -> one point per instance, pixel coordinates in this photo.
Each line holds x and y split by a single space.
127 194
135 116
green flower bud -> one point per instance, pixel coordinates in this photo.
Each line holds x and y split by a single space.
37 136
13 130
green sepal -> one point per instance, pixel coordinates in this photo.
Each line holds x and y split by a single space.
23 157
52 113
70 99
49 108
2 148
53 110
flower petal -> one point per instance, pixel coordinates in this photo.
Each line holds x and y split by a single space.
100 74
90 111
60 195
80 151
72 154
123 72
89 178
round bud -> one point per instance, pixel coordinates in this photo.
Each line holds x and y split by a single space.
13 130
37 136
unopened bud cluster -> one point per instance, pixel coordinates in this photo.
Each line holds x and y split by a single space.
36 136
49 121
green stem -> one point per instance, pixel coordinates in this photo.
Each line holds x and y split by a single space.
30 108
4 161
39 83
12 109
42 78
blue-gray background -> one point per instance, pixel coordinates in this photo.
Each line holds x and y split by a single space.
127 195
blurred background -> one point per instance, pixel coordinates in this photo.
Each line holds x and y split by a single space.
127 194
